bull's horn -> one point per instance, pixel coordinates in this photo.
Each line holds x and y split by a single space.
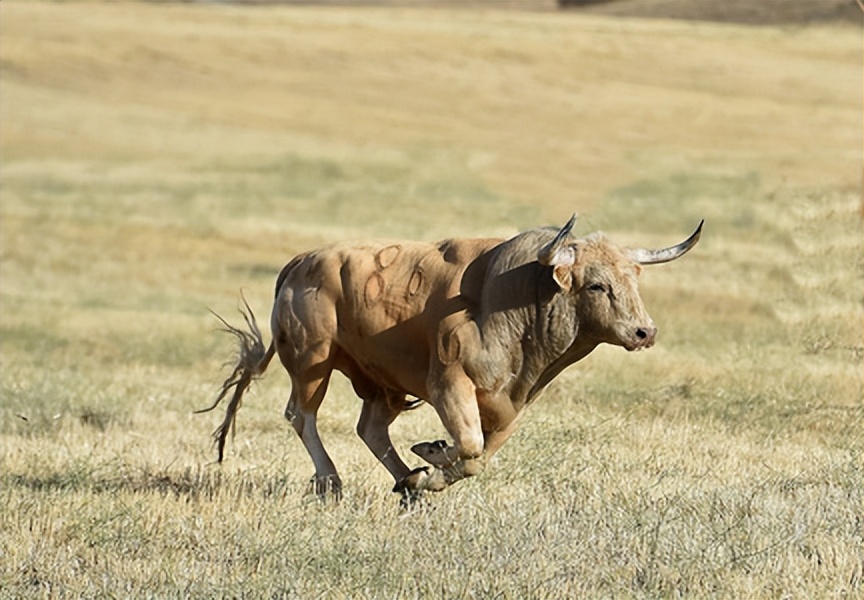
653 257
550 254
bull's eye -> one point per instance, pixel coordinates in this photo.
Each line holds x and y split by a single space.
597 287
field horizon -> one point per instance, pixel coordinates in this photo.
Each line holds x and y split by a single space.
157 159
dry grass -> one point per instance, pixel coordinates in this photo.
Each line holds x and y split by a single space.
157 158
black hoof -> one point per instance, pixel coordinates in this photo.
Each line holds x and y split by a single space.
438 453
424 448
327 489
410 499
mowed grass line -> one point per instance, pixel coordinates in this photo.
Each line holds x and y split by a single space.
157 159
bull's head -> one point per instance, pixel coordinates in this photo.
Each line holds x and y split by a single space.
600 280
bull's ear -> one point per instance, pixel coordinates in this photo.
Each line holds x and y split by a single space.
563 276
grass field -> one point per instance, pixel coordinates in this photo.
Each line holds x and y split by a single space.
158 158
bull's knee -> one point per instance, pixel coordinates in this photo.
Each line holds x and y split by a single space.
471 446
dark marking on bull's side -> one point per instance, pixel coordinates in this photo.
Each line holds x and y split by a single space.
373 289
450 343
387 256
415 282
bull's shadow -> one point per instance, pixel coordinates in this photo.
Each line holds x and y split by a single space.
189 484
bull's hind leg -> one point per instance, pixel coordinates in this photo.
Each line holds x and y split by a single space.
379 411
302 411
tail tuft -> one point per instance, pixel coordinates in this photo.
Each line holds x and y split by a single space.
252 361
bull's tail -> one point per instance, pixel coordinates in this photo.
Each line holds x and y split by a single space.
252 362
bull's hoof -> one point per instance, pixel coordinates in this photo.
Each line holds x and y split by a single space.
409 488
438 453
412 480
441 478
420 480
410 499
436 481
328 488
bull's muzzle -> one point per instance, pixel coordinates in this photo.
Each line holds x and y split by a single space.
643 337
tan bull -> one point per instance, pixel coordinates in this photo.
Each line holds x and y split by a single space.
475 327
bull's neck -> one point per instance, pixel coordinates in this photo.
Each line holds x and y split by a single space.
579 350
551 343
533 343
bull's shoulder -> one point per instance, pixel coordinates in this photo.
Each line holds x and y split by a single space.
469 258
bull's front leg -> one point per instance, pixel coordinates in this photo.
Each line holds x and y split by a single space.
499 420
454 398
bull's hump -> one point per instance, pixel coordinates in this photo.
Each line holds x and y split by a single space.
464 251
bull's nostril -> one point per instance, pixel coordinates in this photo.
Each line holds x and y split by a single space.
641 333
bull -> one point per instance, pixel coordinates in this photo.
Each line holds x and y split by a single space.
475 327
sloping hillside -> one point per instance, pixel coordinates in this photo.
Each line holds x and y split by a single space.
578 107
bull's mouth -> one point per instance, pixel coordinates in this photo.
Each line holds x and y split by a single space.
636 346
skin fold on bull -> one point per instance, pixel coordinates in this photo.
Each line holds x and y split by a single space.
475 327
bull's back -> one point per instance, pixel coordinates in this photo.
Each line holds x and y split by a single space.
387 301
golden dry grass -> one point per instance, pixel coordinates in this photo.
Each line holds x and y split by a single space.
157 158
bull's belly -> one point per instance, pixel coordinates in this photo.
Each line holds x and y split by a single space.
397 367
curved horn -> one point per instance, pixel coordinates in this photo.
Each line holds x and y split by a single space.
653 257
550 254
